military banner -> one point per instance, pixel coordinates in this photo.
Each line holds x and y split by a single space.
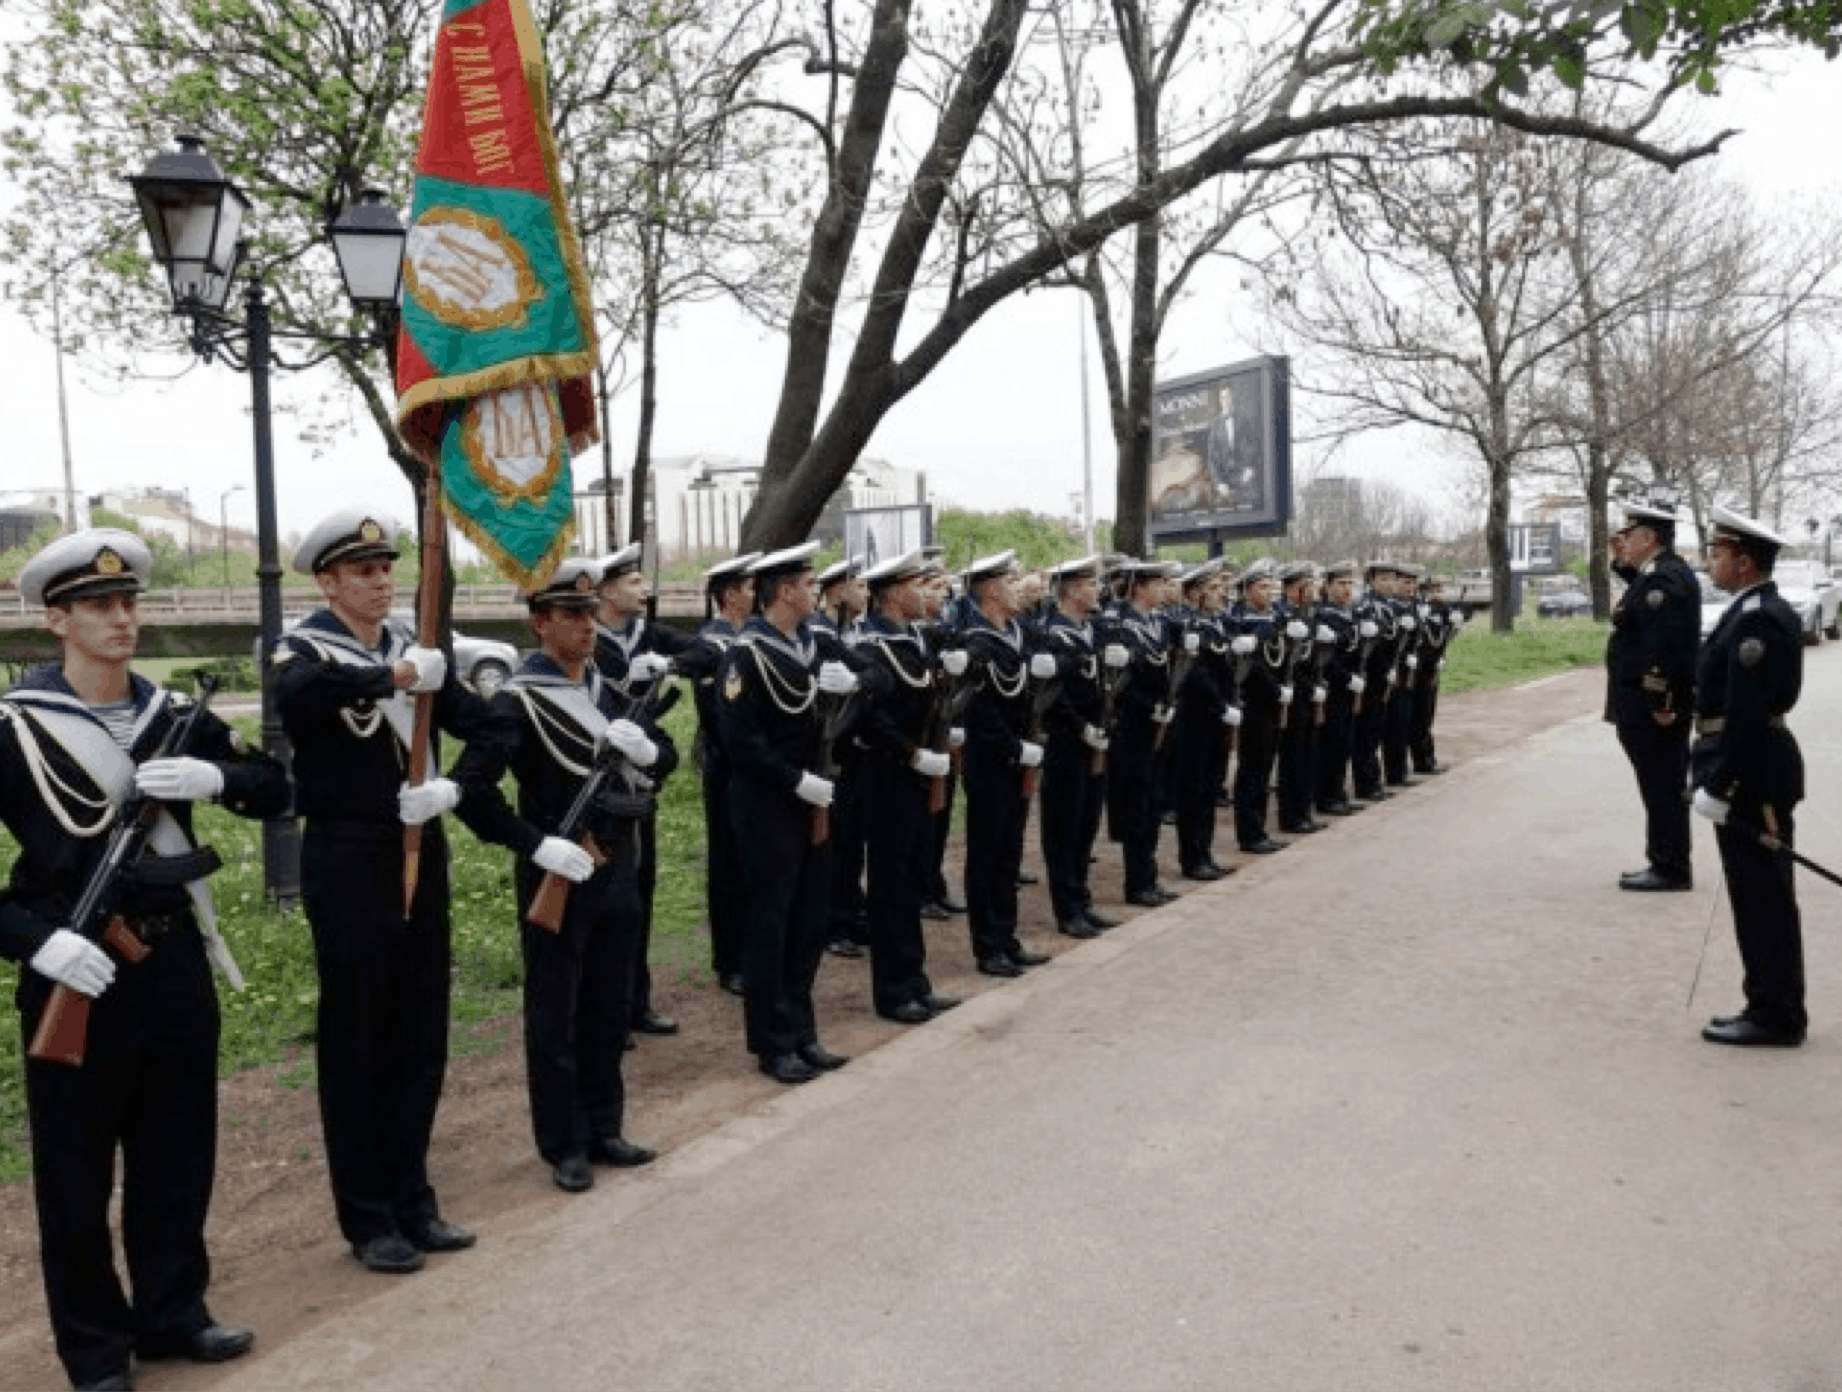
498 341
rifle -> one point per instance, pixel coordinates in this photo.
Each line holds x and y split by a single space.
552 897
951 697
1112 681
1182 659
834 717
1320 658
63 1028
1043 693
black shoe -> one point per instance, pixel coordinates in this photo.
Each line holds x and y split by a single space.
939 1004
1304 828
1026 878
393 1254
215 1343
1373 795
952 905
1430 769
1750 1034
652 1022
911 1012
1405 781
439 1235
788 1068
999 965
118 1381
1336 809
1208 874
732 982
1266 845
1028 956
572 1175
844 947
1655 882
822 1058
1100 920
619 1153
1148 898
1077 927
935 912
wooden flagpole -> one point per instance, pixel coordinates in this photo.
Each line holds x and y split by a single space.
434 543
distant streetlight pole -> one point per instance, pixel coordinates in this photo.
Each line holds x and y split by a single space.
223 529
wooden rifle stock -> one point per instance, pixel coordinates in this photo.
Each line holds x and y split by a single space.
63 1029
552 897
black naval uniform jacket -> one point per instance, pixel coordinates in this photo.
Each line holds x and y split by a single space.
771 731
1747 679
382 1032
148 1085
702 663
1656 631
997 723
579 979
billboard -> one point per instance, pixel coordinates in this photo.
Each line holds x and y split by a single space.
874 535
1535 548
1221 453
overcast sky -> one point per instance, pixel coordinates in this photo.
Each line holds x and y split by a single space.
998 425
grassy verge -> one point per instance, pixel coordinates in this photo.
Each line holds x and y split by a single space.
1479 659
271 1022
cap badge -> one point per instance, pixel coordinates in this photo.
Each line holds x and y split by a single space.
370 531
584 582
108 563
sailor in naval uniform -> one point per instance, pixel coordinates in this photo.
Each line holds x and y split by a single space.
551 724
344 680
75 739
1143 706
634 654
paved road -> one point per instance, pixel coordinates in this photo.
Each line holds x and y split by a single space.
1417 1104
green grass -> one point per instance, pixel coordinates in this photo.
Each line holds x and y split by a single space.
1479 659
271 1022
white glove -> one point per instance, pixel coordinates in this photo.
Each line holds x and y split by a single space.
1367 628
72 960
815 790
1162 714
1192 642
645 667
1358 685
1115 656
1409 622
179 780
563 858
1318 694
1412 662
1042 666
1441 666
1706 805
1285 695
930 763
1231 716
423 802
632 742
1460 618
1422 610
1297 631
1029 755
1242 645
956 737
1325 634
1095 738
835 679
953 662
431 666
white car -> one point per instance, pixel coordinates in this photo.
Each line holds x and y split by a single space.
482 663
1802 584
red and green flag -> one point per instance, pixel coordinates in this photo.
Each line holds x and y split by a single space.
497 348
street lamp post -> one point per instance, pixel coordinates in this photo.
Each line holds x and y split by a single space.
223 531
194 217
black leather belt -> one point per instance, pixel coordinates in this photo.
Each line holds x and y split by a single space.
1707 726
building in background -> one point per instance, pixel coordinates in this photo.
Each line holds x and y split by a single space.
699 501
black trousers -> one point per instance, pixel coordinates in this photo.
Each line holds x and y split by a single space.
1131 798
897 842
995 815
1253 772
1366 738
1200 737
935 879
722 873
1660 759
787 883
1766 921
1334 740
647 878
1397 720
382 1036
847 919
148 1089
578 986
1298 764
1420 735
1069 813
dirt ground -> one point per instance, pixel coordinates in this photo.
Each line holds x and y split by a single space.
278 1261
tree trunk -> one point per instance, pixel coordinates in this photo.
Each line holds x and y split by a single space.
652 244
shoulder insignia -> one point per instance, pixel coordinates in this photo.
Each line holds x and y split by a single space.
1749 604
1654 599
732 688
1752 652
